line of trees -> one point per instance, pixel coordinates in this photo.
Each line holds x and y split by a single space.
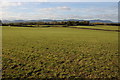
67 23
62 23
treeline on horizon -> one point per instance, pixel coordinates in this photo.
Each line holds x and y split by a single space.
62 23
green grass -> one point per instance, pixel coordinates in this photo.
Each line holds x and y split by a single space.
59 53
99 27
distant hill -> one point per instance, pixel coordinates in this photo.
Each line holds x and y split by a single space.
9 21
50 20
103 21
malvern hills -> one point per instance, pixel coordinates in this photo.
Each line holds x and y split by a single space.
51 20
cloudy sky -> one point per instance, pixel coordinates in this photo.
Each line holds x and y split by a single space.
59 10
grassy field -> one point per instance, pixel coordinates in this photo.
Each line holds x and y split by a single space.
99 27
59 53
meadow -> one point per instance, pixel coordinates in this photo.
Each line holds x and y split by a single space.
59 52
104 27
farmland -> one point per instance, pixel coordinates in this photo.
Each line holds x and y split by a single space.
102 27
59 52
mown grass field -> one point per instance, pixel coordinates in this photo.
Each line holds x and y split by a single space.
59 53
99 27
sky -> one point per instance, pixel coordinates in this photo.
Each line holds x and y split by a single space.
61 0
59 10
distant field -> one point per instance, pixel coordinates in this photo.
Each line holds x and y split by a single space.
57 52
47 25
99 27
